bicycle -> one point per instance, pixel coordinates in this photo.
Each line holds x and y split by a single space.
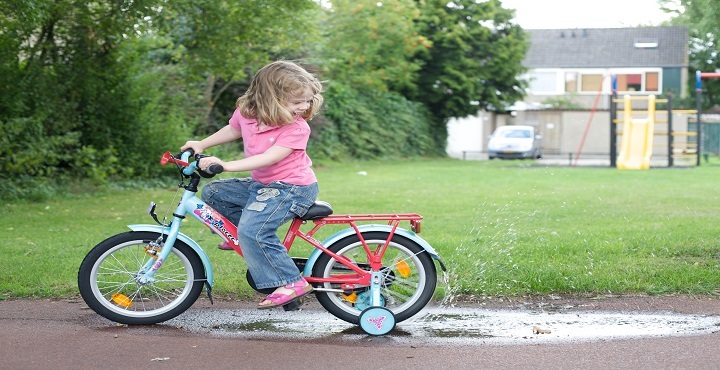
371 275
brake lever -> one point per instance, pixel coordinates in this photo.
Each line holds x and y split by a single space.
212 170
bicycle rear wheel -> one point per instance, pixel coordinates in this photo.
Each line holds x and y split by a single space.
409 277
108 283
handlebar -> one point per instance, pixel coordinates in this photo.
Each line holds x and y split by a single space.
189 167
215 169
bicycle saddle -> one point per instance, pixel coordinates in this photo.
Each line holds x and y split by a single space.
318 210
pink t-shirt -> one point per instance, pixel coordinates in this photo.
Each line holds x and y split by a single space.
293 169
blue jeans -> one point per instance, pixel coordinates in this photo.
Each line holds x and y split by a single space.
259 210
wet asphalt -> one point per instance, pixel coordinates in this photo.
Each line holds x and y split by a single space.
65 334
448 326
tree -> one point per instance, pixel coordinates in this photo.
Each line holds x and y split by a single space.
223 42
68 110
367 57
370 45
474 62
87 84
702 17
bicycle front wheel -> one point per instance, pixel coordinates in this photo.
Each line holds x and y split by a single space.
408 273
108 282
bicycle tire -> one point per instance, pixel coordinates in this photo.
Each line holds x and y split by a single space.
106 279
407 287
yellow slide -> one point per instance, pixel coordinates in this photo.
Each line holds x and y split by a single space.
637 138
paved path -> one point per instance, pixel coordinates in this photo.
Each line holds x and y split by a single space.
66 335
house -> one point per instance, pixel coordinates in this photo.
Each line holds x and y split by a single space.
576 64
570 77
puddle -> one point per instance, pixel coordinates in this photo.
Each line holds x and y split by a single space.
451 326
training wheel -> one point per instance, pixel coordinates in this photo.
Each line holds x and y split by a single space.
377 320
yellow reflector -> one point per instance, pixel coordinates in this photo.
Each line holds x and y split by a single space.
122 300
403 268
352 297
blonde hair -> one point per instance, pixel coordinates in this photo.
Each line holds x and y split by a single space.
272 88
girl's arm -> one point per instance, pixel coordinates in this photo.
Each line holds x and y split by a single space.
271 156
222 136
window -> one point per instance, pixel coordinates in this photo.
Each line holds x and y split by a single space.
646 43
652 81
591 83
571 81
634 82
543 82
629 82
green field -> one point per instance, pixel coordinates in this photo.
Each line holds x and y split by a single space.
502 227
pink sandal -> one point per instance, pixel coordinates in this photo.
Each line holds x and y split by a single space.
299 289
225 246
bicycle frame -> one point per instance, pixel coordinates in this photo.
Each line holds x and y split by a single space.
216 222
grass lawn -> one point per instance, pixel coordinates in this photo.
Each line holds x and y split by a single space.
501 227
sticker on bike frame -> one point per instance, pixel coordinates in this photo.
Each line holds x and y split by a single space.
213 219
157 264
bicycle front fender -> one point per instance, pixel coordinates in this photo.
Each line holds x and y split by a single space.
200 252
307 271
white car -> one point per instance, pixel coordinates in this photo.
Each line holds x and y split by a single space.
511 142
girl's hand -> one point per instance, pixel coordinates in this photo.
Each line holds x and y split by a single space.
207 161
196 146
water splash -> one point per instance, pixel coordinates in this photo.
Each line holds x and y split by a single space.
451 325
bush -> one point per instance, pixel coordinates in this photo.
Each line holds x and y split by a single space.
361 125
29 147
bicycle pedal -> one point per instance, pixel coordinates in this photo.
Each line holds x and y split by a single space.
294 305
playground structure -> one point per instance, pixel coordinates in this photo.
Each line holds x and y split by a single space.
639 129
638 134
699 76
637 139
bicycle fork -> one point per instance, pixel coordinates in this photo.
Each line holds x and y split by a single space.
147 273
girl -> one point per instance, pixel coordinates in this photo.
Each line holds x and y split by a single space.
271 120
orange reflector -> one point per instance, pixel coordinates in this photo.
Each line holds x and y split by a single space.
352 297
403 268
152 252
122 300
415 226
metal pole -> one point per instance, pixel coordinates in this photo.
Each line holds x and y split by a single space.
613 126
670 130
698 105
